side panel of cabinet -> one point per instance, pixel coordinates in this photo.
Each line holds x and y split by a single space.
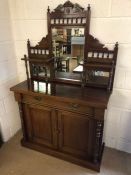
75 134
41 125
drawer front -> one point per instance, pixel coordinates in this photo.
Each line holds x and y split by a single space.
58 103
33 99
77 107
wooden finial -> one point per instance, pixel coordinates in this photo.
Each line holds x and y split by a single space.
26 66
25 56
89 7
28 42
48 10
116 45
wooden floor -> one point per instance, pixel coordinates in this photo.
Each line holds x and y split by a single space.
17 160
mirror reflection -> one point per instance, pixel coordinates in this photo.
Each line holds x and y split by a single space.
68 49
42 87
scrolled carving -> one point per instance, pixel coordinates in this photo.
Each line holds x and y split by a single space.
78 8
59 8
69 7
44 43
68 4
95 43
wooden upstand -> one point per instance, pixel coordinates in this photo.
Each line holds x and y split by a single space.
62 120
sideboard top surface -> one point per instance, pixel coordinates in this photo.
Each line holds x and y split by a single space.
92 96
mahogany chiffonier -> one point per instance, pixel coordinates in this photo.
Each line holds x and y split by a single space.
61 109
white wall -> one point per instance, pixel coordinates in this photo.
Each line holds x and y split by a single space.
9 117
110 22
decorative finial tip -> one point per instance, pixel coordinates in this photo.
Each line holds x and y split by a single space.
89 7
28 41
48 9
116 44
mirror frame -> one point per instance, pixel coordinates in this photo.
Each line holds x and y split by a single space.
69 15
42 54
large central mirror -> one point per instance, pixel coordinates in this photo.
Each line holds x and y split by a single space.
68 49
68 24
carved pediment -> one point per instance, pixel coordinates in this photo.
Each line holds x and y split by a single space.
44 43
68 4
95 43
68 7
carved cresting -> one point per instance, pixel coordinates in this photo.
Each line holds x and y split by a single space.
95 43
69 7
69 14
44 42
98 141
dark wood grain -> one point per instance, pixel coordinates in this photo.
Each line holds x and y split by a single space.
64 121
62 114
96 97
102 59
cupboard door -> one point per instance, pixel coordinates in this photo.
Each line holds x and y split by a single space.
74 135
41 125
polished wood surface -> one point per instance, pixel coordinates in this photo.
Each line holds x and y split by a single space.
96 97
62 113
97 59
63 120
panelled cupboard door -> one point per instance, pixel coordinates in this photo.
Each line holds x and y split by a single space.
41 125
74 136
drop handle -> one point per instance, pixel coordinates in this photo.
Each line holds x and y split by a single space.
38 98
74 106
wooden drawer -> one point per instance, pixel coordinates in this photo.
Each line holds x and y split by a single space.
58 104
75 107
33 99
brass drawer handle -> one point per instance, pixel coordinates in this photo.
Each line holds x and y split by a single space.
38 98
74 106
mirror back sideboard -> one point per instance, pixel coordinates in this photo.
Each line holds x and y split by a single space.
62 108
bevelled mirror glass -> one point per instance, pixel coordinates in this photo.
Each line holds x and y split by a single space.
68 48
